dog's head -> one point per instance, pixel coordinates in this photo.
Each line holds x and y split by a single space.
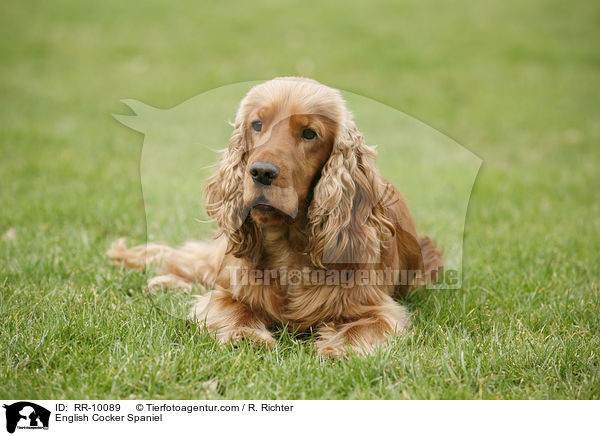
295 155
289 126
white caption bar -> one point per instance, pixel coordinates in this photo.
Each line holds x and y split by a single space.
86 417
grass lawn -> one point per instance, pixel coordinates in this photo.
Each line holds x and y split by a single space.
515 82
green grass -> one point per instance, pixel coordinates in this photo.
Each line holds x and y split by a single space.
516 82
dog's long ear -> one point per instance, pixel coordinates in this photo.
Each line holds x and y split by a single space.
347 214
223 196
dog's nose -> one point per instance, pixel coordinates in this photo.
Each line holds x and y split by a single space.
264 172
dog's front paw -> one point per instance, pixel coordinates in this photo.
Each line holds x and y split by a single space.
336 349
168 282
361 337
236 334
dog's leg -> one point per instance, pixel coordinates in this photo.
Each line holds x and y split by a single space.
364 335
169 281
230 319
432 260
179 268
137 257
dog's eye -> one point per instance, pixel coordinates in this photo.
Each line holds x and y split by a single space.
257 126
308 134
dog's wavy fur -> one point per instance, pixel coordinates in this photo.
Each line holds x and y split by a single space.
347 218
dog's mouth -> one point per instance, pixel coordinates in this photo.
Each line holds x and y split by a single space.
264 207
261 207
271 202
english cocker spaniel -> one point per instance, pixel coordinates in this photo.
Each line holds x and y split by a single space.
309 233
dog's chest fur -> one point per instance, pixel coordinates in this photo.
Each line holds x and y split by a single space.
280 288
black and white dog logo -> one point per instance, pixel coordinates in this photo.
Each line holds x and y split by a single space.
26 415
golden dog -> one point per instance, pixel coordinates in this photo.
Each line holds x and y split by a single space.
309 233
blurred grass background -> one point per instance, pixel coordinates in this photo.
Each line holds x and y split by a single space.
516 82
